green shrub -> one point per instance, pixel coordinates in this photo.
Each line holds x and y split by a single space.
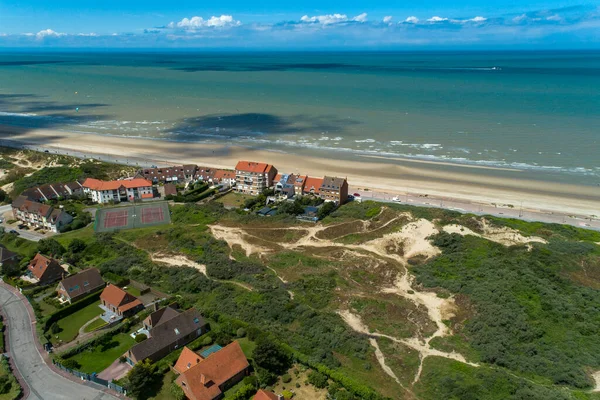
318 379
286 378
140 337
241 332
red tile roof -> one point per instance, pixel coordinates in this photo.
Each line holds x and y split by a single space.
264 395
40 264
313 183
96 184
186 360
250 166
202 381
224 174
119 298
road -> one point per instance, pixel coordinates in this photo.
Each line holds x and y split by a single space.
24 233
43 382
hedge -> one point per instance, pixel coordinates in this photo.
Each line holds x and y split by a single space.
70 309
115 279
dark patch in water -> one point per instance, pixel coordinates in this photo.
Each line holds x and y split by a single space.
23 63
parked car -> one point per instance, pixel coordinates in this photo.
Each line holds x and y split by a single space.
356 194
14 232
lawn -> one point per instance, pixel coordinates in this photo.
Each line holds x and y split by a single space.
71 324
247 346
165 388
234 199
95 325
97 359
133 291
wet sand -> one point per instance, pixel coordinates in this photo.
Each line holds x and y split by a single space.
393 176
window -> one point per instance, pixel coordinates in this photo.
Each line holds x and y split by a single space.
86 283
196 320
176 331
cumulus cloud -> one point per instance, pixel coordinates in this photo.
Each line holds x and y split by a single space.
331 19
412 20
435 18
223 21
387 19
48 33
360 18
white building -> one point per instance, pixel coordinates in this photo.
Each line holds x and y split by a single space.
117 191
38 215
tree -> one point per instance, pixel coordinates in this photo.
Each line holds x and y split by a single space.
77 246
3 196
177 392
54 328
70 363
271 357
10 269
141 379
140 338
50 247
5 384
325 209
317 379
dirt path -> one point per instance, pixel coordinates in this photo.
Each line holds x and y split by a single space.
178 260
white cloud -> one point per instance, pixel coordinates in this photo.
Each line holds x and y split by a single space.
520 18
199 22
437 19
330 19
477 19
48 33
554 18
91 34
387 19
360 18
411 20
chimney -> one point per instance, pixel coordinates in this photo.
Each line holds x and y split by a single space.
203 379
156 306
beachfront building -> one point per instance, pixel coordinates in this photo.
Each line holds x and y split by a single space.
210 377
54 191
299 185
334 189
205 174
177 174
253 177
284 185
117 191
312 186
38 215
224 177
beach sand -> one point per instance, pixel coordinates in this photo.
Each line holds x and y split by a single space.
391 176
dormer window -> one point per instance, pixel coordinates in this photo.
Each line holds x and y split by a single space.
176 331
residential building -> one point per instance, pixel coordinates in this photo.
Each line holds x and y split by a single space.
224 177
8 259
253 178
177 174
299 185
170 189
44 270
39 215
79 285
334 189
118 304
205 174
117 191
265 395
284 185
186 360
53 191
212 376
312 186
168 330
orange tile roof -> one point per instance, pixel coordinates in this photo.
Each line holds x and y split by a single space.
186 360
119 298
264 395
147 196
277 178
250 166
135 303
202 381
313 183
96 184
224 174
40 264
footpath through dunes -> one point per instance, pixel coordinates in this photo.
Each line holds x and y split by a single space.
373 256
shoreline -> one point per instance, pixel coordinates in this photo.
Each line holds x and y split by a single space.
476 185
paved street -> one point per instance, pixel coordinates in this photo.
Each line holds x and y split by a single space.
44 384
24 233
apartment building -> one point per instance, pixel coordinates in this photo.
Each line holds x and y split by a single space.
117 191
253 177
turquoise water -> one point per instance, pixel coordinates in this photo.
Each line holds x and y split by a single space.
535 111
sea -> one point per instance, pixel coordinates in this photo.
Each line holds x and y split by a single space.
535 111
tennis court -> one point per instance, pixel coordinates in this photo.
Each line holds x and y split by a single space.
130 217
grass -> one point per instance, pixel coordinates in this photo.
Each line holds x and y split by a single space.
95 325
233 390
247 346
165 388
233 199
99 358
133 291
71 324
14 390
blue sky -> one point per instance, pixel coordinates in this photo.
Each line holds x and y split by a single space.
309 24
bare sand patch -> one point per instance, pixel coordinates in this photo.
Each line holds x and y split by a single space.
505 236
178 260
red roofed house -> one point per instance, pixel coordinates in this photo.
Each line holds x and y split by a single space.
117 301
253 178
264 395
312 185
211 377
44 270
186 360
334 189
224 177
116 191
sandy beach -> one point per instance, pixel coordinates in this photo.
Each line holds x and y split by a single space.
474 184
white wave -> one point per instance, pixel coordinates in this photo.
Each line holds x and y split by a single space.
365 141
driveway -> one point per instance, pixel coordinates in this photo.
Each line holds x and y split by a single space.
43 382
